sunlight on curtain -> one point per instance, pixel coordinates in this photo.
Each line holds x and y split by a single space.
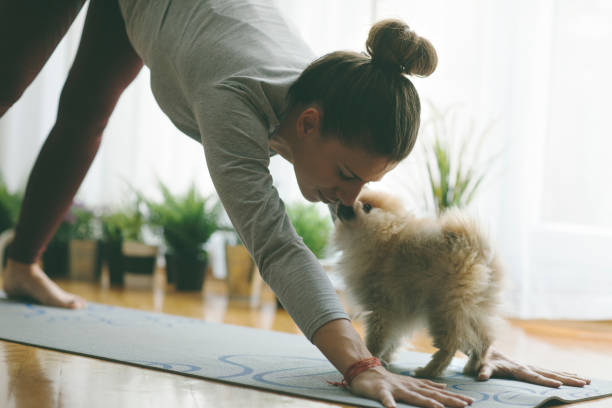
576 178
570 235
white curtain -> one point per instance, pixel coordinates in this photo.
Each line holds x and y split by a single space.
537 69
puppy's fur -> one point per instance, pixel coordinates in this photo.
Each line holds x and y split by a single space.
407 272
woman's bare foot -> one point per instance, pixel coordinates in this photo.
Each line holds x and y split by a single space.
29 280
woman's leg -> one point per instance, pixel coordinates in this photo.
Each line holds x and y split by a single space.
104 66
29 32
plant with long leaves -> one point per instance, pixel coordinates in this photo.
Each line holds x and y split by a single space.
454 177
187 221
124 224
84 222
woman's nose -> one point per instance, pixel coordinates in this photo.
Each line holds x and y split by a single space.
348 194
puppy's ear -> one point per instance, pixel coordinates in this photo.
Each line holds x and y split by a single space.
368 195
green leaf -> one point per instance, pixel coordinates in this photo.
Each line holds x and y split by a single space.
186 221
314 228
451 178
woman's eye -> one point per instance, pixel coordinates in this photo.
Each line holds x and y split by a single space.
367 208
344 176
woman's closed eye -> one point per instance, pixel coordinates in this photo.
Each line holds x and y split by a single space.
345 176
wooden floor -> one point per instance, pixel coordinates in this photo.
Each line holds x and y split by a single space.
35 377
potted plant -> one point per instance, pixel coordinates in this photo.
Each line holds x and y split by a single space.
186 222
56 255
158 213
139 257
119 226
139 261
455 170
85 259
112 240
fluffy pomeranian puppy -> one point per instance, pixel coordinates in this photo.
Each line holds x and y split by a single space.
404 272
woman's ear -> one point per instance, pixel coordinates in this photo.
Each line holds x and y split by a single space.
309 122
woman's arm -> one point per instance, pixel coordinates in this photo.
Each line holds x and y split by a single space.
237 156
341 344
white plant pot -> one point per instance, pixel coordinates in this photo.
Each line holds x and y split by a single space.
139 262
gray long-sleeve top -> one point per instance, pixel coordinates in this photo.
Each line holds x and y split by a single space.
220 70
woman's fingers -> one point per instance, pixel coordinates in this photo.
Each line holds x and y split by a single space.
434 384
387 399
501 366
565 378
420 400
528 375
465 398
447 398
388 388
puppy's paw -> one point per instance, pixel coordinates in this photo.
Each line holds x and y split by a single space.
472 367
426 372
385 359
470 370
384 362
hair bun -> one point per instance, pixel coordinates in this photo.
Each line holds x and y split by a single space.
391 43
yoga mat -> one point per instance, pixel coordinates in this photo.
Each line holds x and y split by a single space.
257 358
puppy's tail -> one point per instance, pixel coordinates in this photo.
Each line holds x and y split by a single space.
462 231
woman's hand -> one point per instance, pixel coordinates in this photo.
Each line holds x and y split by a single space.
498 365
379 384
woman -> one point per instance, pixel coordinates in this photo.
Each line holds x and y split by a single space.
233 76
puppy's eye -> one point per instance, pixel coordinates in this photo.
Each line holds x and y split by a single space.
367 208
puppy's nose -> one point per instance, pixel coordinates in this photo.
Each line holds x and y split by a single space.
345 212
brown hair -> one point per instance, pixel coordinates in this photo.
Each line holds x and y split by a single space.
366 99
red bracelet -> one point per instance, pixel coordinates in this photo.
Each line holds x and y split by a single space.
355 369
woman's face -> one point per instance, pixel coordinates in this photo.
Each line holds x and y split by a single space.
329 171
